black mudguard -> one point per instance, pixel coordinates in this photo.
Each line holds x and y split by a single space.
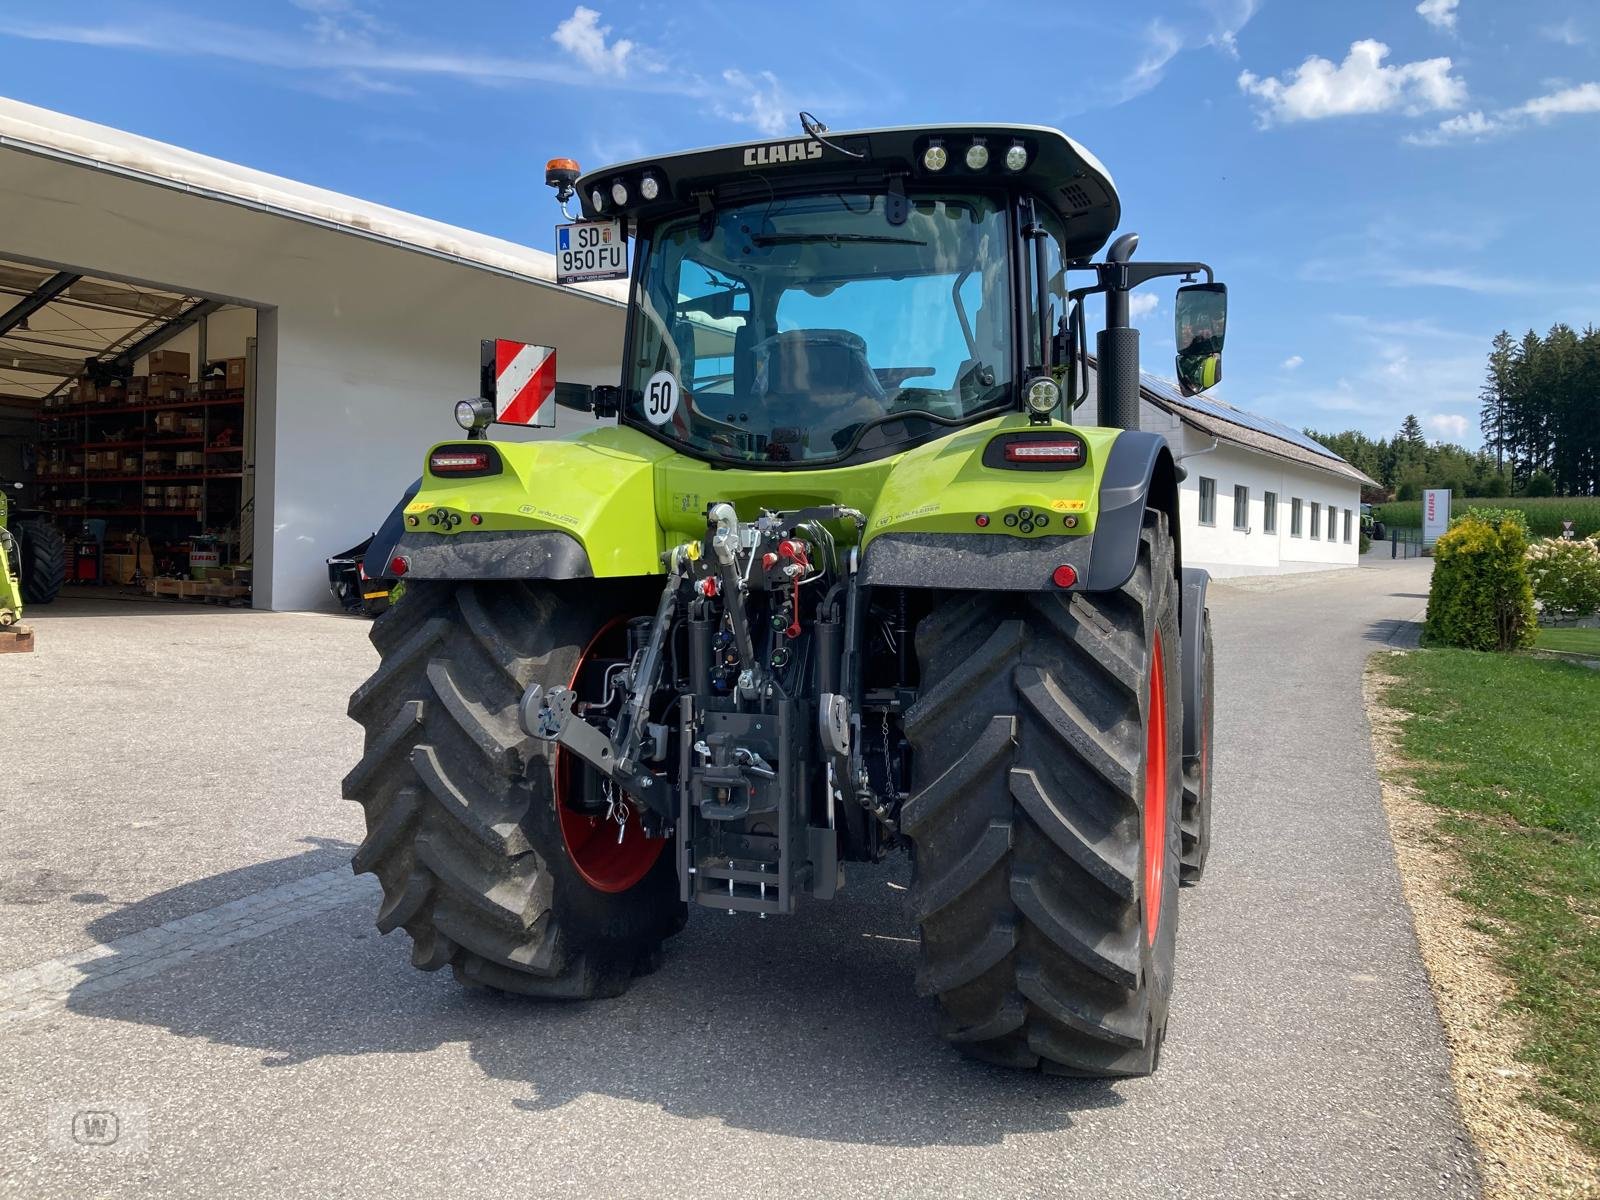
518 554
1192 619
1139 473
380 547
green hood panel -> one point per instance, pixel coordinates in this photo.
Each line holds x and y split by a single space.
626 497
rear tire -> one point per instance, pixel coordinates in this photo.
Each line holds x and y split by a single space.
1048 728
44 561
462 829
1197 773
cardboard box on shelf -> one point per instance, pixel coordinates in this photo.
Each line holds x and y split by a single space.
163 386
166 421
138 388
194 426
119 568
86 391
190 460
235 377
192 389
176 361
130 464
157 461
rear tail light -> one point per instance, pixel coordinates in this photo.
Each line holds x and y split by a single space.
1063 576
448 462
399 565
464 460
1061 450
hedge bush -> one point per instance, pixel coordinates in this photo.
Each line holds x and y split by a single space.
1481 598
1565 577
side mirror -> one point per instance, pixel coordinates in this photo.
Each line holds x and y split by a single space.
1200 325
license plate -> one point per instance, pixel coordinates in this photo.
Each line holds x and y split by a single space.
591 250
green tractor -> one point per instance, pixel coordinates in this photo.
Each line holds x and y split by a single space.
834 572
38 550
32 567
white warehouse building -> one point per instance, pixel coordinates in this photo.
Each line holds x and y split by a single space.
295 350
1260 498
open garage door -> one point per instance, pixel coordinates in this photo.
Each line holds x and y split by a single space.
127 414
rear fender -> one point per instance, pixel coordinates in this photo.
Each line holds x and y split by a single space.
572 508
942 543
1193 624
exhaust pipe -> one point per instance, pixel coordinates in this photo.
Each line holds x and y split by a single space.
1117 347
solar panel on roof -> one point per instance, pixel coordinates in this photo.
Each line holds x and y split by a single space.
1212 408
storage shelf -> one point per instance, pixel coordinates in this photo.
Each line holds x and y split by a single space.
92 410
163 476
187 513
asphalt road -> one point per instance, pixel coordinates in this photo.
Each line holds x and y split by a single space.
181 947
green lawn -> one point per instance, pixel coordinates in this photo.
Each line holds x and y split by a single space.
1570 641
1508 748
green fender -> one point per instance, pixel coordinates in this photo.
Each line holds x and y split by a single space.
606 503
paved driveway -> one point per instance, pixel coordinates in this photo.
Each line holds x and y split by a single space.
187 951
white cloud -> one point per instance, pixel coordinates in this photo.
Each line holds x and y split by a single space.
1162 40
1230 16
1567 33
1318 89
1143 304
1585 98
1468 127
582 36
1293 363
1441 14
1476 126
299 57
759 102
1162 43
1449 427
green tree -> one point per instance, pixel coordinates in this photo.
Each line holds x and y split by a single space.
1495 394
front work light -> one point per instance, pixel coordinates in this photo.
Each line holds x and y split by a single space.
1042 396
935 156
977 155
474 414
596 200
649 187
619 193
1016 157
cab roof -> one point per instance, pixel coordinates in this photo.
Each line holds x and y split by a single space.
1057 169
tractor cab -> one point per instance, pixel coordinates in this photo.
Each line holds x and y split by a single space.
834 299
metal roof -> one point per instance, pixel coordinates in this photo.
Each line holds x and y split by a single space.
29 129
1247 429
1219 419
53 322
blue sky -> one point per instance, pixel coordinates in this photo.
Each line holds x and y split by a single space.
1383 184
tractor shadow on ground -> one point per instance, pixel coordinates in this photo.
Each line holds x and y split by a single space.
806 1026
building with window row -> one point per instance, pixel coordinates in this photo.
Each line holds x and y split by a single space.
1260 498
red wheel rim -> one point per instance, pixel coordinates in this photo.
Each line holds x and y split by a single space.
1155 794
605 863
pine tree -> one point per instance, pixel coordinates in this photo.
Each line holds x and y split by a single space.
1495 389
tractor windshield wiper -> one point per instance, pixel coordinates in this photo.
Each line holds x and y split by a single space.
803 239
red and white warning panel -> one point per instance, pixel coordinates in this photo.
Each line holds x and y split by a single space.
521 382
